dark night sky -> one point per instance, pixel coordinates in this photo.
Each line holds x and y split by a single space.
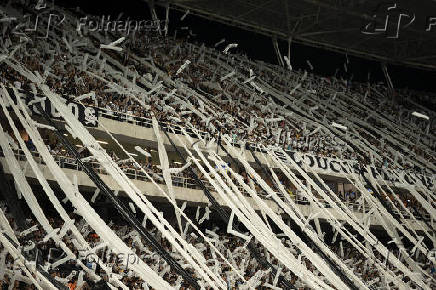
257 46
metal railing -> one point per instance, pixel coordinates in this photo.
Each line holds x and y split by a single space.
147 122
177 180
177 129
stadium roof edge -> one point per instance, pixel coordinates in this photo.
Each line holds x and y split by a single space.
412 49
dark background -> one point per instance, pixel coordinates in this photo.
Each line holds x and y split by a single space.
257 46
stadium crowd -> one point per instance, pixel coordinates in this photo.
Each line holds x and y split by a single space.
202 89
232 247
378 127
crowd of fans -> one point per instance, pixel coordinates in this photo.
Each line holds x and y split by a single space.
225 94
378 125
232 247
